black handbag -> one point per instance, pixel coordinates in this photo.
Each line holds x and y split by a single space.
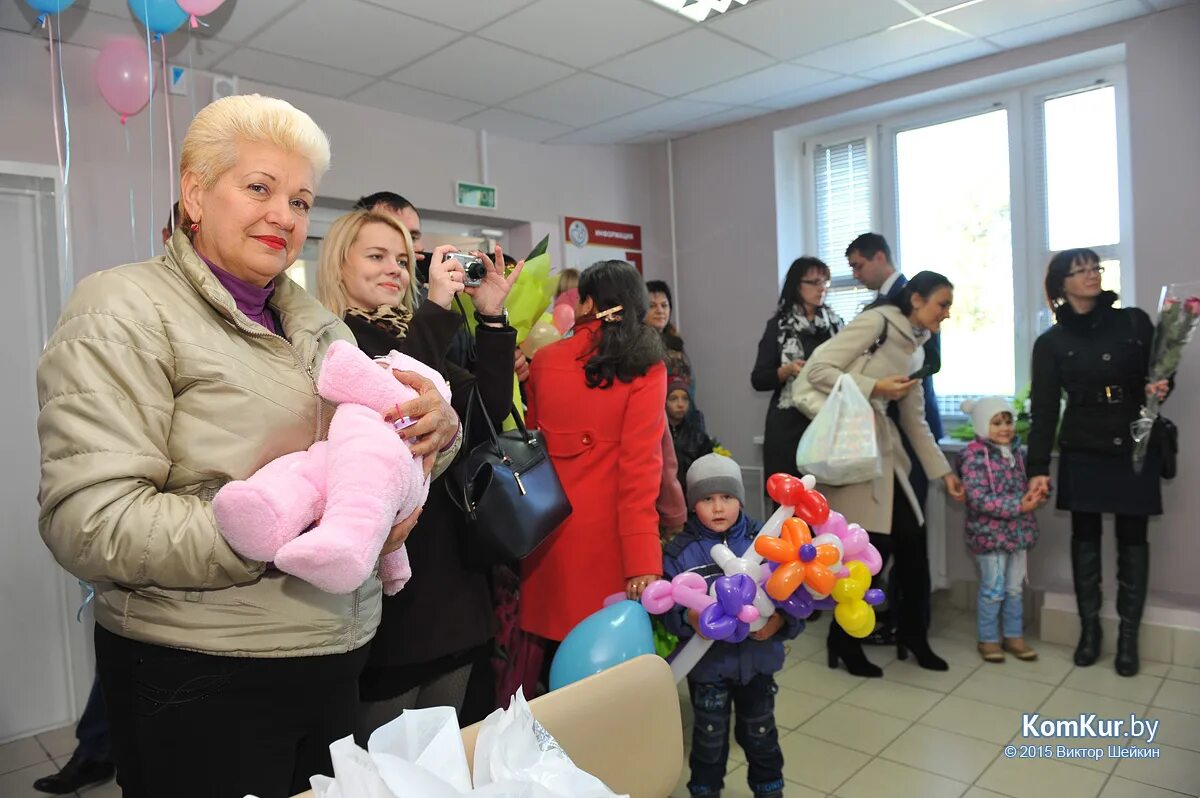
1170 446
506 487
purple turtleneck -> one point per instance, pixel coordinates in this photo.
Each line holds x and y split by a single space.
249 298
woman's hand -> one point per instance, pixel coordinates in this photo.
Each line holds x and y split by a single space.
893 389
436 425
400 532
635 586
520 365
445 276
774 624
1159 388
1039 488
954 488
489 295
789 370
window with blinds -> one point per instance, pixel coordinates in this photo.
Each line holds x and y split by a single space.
842 181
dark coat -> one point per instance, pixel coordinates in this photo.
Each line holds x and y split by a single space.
445 611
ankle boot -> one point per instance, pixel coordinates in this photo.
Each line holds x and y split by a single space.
1085 568
912 606
1133 571
849 650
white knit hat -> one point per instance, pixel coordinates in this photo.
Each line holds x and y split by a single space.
982 411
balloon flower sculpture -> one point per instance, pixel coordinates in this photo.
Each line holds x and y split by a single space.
831 570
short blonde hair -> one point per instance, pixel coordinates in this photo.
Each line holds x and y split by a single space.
335 251
567 279
210 145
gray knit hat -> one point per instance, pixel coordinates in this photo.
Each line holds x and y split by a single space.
714 473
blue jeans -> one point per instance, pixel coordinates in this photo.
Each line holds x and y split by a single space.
1001 576
754 730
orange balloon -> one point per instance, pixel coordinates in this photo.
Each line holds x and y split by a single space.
777 549
827 554
795 527
818 577
785 580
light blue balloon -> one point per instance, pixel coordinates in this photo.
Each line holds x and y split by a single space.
159 16
619 632
50 6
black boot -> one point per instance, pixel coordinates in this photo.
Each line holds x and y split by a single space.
1133 571
849 650
1085 568
77 774
912 604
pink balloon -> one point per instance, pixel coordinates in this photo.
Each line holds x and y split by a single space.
123 75
198 8
855 540
871 558
835 525
748 614
657 598
564 317
613 598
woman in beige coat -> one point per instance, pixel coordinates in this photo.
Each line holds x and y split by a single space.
879 350
163 381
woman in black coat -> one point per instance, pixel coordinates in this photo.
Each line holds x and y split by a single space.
1099 357
801 323
441 623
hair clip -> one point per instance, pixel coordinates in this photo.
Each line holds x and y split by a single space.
612 315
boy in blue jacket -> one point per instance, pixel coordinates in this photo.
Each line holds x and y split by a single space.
730 674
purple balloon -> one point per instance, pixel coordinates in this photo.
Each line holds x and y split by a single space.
826 603
735 592
797 605
874 597
808 552
740 633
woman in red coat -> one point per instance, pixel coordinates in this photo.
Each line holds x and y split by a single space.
598 397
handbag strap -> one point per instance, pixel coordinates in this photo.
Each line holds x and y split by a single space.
476 400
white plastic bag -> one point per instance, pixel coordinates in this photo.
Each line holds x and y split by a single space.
839 446
513 748
420 755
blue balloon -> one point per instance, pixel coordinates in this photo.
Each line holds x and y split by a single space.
50 6
159 16
619 632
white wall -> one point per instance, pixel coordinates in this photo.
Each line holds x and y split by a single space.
372 150
728 254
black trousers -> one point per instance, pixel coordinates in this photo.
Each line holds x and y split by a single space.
92 729
754 728
1131 529
190 725
909 584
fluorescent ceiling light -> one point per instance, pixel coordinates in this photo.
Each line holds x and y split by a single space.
700 10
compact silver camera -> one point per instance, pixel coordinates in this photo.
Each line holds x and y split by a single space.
474 268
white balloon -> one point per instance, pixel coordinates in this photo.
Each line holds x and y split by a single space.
691 653
809 481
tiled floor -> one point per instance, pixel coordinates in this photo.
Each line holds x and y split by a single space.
920 733
911 733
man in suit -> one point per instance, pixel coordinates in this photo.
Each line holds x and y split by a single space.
870 260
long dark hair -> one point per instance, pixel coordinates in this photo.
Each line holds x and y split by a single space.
1060 266
801 267
921 283
626 349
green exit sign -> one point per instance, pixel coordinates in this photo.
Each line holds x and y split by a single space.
475 195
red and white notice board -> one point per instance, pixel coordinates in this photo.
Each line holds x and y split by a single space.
590 240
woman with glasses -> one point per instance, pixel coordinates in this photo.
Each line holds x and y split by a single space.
802 322
1099 357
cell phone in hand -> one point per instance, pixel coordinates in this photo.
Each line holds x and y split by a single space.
923 372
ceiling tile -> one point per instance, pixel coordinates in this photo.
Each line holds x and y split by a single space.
512 125
667 115
649 138
592 135
884 47
237 21
933 6
935 60
291 73
993 16
1070 23
584 34
465 15
812 94
684 63
762 84
719 119
1162 4
358 37
114 8
482 71
790 28
414 102
581 100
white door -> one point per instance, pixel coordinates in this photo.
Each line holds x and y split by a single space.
38 633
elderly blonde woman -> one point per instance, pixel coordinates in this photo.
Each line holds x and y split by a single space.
434 630
163 381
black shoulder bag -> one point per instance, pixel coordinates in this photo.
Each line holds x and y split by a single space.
507 487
